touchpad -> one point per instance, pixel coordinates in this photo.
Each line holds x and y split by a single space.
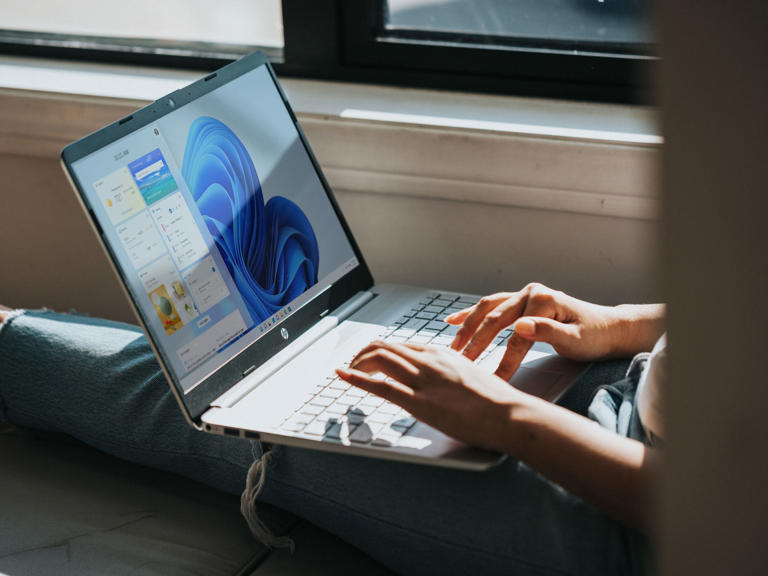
543 373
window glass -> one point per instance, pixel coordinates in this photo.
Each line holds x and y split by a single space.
609 24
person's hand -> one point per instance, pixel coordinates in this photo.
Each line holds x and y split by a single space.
439 387
576 329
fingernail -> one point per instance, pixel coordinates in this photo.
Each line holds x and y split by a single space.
341 372
525 327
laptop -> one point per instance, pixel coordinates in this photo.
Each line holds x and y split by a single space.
248 281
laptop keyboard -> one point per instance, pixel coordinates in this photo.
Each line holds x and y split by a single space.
337 411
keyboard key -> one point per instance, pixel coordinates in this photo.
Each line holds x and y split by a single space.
389 408
347 401
322 400
337 409
414 324
315 428
333 430
363 410
433 309
379 418
356 416
420 339
339 384
371 400
426 316
361 435
450 330
442 340
442 302
403 424
437 326
397 339
351 396
309 409
327 415
331 393
403 333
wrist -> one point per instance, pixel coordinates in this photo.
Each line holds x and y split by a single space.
638 326
518 434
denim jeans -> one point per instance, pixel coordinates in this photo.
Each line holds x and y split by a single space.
99 382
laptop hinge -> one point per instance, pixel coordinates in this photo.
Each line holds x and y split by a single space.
253 377
352 305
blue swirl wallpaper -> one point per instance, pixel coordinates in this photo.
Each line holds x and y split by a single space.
270 249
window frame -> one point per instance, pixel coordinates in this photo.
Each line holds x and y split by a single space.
338 40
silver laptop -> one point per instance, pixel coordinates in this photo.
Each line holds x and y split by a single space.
247 280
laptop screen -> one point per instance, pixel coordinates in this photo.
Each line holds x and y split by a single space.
218 221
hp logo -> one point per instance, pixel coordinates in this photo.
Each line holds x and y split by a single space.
284 333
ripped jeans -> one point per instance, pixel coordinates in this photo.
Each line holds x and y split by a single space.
99 382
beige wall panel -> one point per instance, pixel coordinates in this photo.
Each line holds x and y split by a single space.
50 257
48 254
484 248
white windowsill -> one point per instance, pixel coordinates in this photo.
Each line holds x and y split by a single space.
405 106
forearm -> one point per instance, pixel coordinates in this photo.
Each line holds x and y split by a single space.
637 327
613 473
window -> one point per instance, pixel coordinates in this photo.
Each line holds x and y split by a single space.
579 49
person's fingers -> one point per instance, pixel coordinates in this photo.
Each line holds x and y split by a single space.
516 350
374 345
391 391
540 303
475 317
458 317
389 363
494 322
410 351
547 330
398 348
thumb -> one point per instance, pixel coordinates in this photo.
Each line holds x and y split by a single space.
546 330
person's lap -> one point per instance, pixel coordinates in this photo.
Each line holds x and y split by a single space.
99 382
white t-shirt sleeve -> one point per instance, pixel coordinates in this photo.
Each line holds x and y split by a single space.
650 395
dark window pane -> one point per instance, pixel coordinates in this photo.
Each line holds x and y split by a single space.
604 25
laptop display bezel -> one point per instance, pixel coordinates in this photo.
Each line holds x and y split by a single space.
196 401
